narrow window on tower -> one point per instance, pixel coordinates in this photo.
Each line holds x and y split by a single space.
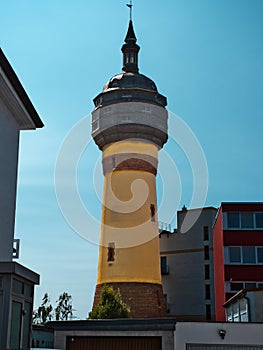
113 162
152 208
111 251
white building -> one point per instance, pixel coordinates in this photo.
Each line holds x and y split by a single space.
16 281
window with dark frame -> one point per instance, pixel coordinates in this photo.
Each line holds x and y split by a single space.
165 300
207 272
234 254
111 252
260 254
245 255
249 255
206 252
233 220
247 220
236 286
207 292
208 312
113 162
259 220
206 233
152 208
164 265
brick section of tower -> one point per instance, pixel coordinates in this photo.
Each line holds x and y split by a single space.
145 300
130 161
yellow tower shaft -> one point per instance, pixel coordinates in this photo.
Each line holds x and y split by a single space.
129 233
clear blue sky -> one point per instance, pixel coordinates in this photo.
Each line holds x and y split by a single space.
205 56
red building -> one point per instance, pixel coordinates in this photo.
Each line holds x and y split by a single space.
238 251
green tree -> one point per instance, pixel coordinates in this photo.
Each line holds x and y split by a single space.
64 308
45 311
110 305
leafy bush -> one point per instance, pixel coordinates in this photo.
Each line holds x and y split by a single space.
110 305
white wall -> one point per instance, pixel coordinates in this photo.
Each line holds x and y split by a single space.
9 140
207 333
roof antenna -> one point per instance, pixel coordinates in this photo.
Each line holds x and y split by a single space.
130 5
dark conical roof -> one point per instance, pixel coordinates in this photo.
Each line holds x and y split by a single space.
130 34
130 81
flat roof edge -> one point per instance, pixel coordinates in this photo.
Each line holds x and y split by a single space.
125 324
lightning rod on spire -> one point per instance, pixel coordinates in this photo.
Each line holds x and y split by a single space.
130 5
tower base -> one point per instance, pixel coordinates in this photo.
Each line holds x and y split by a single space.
146 300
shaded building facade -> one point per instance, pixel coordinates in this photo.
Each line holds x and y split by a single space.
16 281
187 265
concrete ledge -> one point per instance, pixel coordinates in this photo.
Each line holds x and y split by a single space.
19 270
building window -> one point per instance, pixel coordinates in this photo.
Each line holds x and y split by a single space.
206 233
236 286
247 220
207 272
234 254
166 302
260 254
113 162
238 312
250 285
111 252
206 252
208 312
244 220
207 292
249 255
164 265
29 291
152 209
18 287
259 220
244 255
233 220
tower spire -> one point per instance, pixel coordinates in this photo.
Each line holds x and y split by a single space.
130 51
